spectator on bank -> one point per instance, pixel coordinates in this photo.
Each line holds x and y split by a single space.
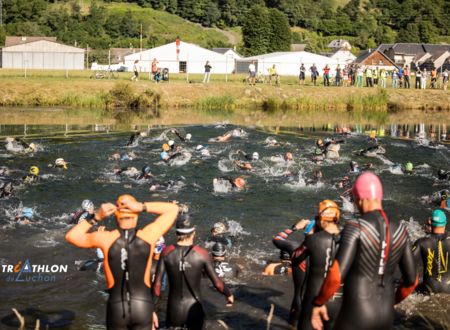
423 80
395 78
326 76
418 78
314 74
359 74
136 71
369 77
375 75
302 74
445 79
406 74
433 78
400 77
207 75
338 76
252 73
383 78
273 75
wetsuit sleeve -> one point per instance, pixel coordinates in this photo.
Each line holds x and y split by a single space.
341 264
180 137
300 255
410 278
209 270
156 285
80 237
416 249
282 241
168 214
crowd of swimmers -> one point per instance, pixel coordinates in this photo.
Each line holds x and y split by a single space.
344 275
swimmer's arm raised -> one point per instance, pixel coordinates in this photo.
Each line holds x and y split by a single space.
168 214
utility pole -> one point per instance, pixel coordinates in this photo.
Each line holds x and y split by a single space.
140 44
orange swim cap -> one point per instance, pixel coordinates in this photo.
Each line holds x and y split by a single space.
165 147
329 211
239 182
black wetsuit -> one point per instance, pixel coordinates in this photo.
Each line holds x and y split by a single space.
287 245
184 266
130 304
6 189
220 238
79 215
182 139
134 139
368 274
320 249
433 252
444 176
225 270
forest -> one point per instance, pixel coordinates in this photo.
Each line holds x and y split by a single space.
270 25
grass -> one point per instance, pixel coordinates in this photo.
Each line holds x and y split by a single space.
52 88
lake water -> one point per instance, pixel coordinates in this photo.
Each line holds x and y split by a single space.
270 203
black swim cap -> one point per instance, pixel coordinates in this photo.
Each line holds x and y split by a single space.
184 225
146 169
219 250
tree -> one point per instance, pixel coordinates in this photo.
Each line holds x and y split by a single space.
280 36
256 31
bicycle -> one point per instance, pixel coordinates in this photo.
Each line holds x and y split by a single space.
104 74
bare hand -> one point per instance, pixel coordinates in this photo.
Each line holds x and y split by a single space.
101 228
155 321
302 224
105 210
319 314
130 205
230 301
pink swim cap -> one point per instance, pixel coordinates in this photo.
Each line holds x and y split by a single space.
368 186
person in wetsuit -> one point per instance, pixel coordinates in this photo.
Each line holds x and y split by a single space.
145 174
283 241
443 175
6 189
319 249
222 267
370 250
134 139
234 184
219 235
186 138
433 252
128 257
85 213
184 264
32 176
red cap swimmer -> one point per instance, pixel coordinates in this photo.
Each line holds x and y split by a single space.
368 186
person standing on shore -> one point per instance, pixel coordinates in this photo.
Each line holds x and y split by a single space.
406 74
128 255
369 81
445 79
136 71
207 75
154 67
302 74
433 78
314 74
418 78
338 76
423 81
395 78
252 73
326 76
371 249
383 76
359 76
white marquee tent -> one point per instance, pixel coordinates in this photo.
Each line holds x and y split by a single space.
43 54
288 63
191 58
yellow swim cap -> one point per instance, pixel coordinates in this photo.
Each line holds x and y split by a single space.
34 170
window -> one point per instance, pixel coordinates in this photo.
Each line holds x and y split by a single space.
182 67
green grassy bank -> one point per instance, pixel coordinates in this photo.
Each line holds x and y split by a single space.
77 89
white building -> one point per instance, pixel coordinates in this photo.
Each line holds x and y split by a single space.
190 58
43 54
343 56
288 63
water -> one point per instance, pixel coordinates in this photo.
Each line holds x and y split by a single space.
271 202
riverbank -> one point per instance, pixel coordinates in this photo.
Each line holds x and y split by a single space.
78 90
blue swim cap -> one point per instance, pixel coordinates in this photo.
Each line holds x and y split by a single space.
438 218
125 157
27 213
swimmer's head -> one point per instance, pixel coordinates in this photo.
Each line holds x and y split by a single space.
171 143
438 218
185 230
60 162
218 228
27 213
126 219
239 183
219 250
255 156
34 170
188 137
146 170
328 211
87 205
33 146
288 156
319 143
165 147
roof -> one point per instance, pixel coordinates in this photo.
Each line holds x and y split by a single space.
43 46
367 53
14 40
338 43
383 47
298 47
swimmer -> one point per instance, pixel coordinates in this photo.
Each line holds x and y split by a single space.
187 138
234 184
86 212
222 138
371 249
372 151
204 152
443 175
288 157
316 178
25 217
166 155
219 235
128 255
354 167
287 245
6 189
18 145
127 171
185 263
222 267
145 174
4 173
243 165
408 168
271 142
319 249
33 175
134 139
60 163
253 157
433 252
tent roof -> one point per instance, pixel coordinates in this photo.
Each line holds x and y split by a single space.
43 46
